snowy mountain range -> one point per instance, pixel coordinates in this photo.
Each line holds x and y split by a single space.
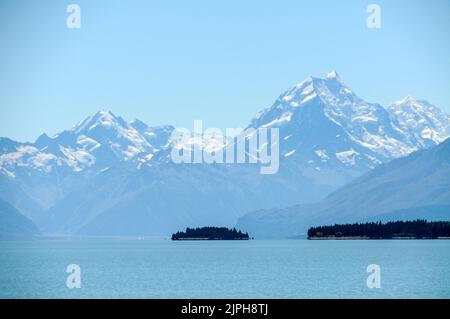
107 176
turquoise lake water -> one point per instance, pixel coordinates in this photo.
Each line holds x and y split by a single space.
225 269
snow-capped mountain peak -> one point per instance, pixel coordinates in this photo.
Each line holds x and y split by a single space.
423 121
100 140
330 88
105 119
321 121
345 124
329 91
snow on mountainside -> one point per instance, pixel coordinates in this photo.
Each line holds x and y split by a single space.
368 126
424 122
52 167
104 170
101 140
322 122
331 135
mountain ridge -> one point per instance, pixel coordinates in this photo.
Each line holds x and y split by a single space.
417 186
15 226
328 136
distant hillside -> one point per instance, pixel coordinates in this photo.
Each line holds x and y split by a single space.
417 229
417 186
13 225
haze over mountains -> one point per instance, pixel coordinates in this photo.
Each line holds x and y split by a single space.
107 176
15 226
416 186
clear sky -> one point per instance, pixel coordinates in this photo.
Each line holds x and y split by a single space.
171 62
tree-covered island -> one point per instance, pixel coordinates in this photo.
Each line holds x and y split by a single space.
210 233
418 229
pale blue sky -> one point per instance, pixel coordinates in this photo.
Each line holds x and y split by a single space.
170 62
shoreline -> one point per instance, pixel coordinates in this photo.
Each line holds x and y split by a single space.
370 238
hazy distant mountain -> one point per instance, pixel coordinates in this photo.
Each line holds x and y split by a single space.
332 135
109 176
51 168
13 225
11 192
417 186
425 123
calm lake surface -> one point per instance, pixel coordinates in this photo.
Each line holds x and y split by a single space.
225 269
